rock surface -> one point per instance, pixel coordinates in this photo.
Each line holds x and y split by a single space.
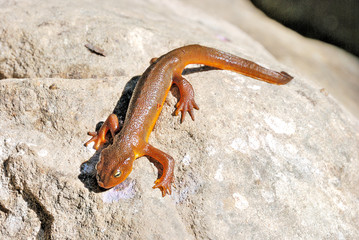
332 21
327 66
260 161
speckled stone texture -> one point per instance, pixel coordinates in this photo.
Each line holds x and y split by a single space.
326 66
260 161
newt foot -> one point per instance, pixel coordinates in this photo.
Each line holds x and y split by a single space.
164 186
98 140
186 105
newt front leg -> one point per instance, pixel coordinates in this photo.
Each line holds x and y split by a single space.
165 181
99 138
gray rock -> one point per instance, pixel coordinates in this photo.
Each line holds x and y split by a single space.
332 21
329 67
260 161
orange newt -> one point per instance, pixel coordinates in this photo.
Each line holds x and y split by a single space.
130 141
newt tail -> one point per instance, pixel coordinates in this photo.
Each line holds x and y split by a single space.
196 54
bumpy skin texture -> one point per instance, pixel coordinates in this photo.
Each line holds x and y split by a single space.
131 139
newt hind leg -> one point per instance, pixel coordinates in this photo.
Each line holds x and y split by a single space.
186 102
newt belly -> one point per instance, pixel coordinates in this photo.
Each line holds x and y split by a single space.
130 141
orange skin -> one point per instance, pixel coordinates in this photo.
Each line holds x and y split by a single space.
131 139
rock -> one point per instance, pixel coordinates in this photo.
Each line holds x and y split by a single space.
333 22
260 161
327 66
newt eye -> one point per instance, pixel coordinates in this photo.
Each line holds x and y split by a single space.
118 173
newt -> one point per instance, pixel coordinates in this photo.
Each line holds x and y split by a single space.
130 139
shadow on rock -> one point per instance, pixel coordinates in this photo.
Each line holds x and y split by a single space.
88 170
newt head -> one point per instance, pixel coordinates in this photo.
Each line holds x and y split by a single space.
113 166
